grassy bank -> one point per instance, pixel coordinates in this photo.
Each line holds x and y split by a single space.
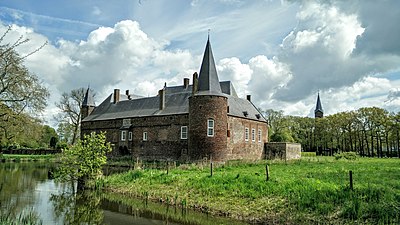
312 190
20 158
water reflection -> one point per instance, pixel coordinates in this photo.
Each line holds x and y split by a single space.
82 208
25 187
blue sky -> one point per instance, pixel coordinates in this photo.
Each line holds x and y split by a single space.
281 52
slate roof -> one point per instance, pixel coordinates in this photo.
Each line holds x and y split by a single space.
318 108
88 100
176 102
208 77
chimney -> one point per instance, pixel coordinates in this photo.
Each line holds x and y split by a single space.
161 94
195 83
127 94
116 96
248 98
185 83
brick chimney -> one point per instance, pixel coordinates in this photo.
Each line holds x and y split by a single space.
161 94
195 83
248 98
116 96
185 83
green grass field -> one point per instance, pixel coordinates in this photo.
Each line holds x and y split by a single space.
311 190
18 158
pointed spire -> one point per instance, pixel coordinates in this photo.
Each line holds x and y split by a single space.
88 99
318 109
208 77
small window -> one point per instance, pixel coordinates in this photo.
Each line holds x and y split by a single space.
123 135
259 135
246 134
130 136
144 136
210 128
253 134
184 132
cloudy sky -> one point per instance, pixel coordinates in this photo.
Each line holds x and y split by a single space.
280 52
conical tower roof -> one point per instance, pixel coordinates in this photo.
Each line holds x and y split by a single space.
88 99
318 108
208 77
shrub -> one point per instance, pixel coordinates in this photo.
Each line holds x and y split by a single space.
346 155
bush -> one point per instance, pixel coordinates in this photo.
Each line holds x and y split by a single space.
62 145
346 155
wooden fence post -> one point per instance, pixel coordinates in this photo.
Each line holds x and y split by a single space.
351 179
267 172
211 169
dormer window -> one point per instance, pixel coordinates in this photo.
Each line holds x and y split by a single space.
245 113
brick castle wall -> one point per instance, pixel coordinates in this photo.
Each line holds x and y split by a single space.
238 147
163 136
202 108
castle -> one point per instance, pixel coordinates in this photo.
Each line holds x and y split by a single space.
190 122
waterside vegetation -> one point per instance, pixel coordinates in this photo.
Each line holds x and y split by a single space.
311 190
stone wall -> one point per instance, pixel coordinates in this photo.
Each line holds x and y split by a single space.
282 150
238 146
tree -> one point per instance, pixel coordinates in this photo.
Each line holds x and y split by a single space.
20 90
70 119
83 161
279 126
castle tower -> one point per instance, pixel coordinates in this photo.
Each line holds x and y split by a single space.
318 112
208 117
87 104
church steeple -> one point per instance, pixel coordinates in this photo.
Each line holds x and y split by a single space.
208 77
318 112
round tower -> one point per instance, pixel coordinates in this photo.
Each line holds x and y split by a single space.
208 127
208 117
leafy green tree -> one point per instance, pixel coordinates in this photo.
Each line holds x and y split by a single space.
83 161
20 90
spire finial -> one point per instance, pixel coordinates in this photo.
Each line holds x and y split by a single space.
208 36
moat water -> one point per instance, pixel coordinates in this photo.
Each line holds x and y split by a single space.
26 187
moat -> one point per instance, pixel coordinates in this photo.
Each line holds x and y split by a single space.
26 187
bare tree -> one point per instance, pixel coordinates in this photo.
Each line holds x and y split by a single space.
70 105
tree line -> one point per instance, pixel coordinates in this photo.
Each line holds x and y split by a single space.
369 131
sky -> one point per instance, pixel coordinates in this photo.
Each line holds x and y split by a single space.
282 53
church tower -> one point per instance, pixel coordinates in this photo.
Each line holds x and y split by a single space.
87 104
318 112
207 113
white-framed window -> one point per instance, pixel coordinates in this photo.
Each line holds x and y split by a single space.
184 132
259 135
246 134
210 128
253 135
123 135
145 136
130 136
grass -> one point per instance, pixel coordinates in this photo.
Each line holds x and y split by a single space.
29 218
311 190
19 158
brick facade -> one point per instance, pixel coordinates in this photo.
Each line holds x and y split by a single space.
241 148
201 145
